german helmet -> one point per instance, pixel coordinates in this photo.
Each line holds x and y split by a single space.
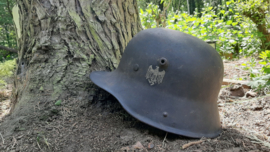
169 80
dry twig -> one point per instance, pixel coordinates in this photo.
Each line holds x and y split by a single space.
191 143
2 139
39 146
163 143
15 142
229 82
244 101
74 125
258 141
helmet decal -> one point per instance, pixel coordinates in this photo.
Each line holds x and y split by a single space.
154 75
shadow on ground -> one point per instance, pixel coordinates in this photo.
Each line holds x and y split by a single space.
103 126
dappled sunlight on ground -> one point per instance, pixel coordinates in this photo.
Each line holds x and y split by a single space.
5 103
234 69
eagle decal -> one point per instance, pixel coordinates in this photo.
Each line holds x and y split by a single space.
154 75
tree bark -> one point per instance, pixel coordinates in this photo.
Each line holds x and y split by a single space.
188 7
62 41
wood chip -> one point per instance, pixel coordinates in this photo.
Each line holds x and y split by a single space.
191 143
229 81
138 145
251 94
2 139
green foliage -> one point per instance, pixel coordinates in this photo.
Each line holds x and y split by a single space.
251 67
181 5
261 78
174 4
148 16
58 103
6 69
234 33
7 29
6 11
153 17
260 83
237 26
265 56
257 11
5 55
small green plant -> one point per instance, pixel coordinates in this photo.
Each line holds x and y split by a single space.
58 103
42 139
262 80
251 67
265 56
153 17
6 70
149 15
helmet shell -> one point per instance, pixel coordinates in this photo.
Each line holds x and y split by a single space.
169 80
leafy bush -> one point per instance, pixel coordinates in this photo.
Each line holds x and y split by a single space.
239 27
233 32
149 15
7 29
5 55
251 67
6 69
258 12
260 77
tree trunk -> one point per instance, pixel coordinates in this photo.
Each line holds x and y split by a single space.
161 5
191 7
199 6
188 7
259 19
62 41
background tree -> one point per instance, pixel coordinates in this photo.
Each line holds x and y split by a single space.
257 11
62 41
8 41
183 5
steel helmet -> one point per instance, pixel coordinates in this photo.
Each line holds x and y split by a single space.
169 80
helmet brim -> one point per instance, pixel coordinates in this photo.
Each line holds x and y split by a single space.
192 122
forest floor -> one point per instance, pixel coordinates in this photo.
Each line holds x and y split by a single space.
105 126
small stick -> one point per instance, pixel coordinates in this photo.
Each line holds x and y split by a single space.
74 125
2 139
15 142
39 146
164 139
229 82
258 141
191 143
244 101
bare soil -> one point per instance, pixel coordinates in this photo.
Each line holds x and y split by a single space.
103 125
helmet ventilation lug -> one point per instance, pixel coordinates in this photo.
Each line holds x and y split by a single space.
165 114
136 67
163 61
